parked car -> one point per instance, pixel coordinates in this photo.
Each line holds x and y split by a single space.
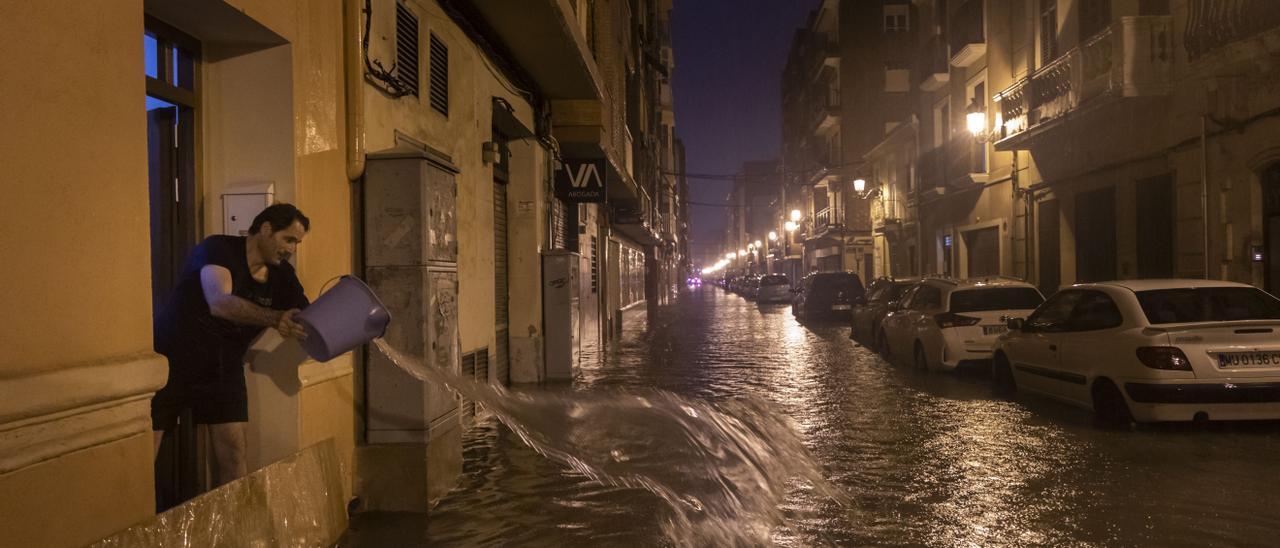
1150 350
774 288
751 286
827 295
883 296
944 323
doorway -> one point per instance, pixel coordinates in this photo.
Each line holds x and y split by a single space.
171 67
1096 235
1271 227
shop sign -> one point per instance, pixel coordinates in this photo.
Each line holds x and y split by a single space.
581 181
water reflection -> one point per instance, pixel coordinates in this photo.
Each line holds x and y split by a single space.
927 459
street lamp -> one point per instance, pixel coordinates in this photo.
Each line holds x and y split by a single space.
758 244
773 236
791 226
975 120
795 216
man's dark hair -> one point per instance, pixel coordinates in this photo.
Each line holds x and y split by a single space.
281 216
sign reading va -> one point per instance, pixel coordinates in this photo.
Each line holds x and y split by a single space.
581 181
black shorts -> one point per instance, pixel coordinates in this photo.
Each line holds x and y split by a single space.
215 393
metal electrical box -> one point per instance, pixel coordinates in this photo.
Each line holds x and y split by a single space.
561 292
411 262
241 203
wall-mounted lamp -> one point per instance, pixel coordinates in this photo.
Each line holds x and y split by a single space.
795 216
791 226
975 120
773 236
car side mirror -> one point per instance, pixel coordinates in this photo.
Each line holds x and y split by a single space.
894 305
1015 324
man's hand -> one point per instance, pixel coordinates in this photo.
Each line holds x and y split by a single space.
288 327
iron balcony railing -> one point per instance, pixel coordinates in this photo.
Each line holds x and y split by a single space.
1212 24
1132 57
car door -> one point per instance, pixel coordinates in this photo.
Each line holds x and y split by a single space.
924 328
865 311
896 320
1083 348
1033 351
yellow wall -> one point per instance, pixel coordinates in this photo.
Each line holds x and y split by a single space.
80 497
76 223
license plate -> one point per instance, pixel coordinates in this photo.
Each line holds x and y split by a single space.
995 329
839 307
1248 359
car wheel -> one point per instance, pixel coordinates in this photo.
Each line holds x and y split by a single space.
1002 377
882 346
921 361
1109 407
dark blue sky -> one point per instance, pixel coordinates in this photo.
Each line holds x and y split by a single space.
729 56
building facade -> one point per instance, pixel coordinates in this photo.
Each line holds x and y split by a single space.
1064 141
249 102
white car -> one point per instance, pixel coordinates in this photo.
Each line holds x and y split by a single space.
774 288
1150 350
943 323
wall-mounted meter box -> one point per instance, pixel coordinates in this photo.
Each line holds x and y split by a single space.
242 202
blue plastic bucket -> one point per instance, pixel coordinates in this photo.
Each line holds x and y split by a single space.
343 318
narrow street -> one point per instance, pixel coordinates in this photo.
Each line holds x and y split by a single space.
928 460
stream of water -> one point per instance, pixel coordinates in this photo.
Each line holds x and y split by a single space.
721 469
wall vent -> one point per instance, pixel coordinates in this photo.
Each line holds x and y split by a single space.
407 49
439 75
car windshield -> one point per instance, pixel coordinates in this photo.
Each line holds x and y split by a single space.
774 279
1208 304
995 298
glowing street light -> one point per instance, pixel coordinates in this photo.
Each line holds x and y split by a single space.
791 226
758 244
795 215
773 236
976 119
859 185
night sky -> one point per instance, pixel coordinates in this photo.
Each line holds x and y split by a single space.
729 56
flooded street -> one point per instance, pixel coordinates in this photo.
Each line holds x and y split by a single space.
926 459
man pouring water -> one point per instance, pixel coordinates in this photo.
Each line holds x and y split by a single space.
229 290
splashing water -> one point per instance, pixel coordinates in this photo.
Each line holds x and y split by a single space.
733 461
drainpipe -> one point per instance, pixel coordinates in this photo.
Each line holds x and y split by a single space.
1204 188
354 80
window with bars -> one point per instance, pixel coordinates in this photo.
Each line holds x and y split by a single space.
897 18
439 74
407 49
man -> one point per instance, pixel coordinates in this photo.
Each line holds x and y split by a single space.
230 288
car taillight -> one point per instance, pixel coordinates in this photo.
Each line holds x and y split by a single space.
954 320
1169 358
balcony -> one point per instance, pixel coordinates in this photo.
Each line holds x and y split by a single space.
1214 24
1131 58
968 38
932 67
821 220
826 115
933 172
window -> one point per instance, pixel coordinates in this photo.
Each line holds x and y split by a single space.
1054 313
927 298
941 122
1208 304
995 298
1095 311
1048 31
439 97
1095 15
897 18
407 49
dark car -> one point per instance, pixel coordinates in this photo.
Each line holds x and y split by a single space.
883 294
827 295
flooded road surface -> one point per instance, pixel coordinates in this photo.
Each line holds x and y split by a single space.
926 459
